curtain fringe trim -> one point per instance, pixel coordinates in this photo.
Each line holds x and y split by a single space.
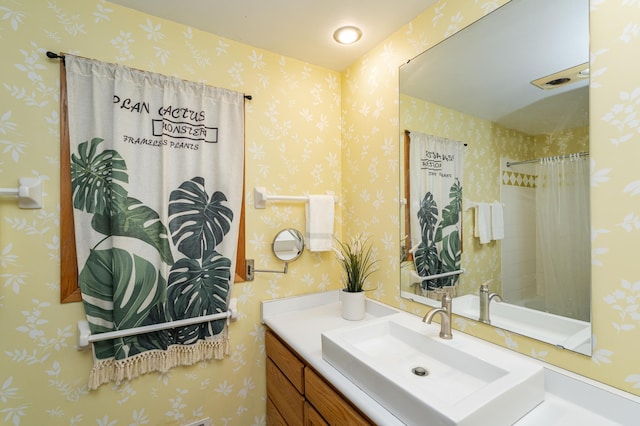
112 370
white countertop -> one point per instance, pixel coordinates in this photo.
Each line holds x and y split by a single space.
569 399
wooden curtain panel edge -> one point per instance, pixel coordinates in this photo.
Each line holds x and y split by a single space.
69 291
241 263
407 193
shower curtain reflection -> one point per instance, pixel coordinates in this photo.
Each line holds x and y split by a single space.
563 268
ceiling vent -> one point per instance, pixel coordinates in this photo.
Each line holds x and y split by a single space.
562 78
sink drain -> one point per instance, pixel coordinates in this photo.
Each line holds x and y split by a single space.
420 371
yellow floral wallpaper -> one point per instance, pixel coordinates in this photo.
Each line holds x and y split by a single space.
293 146
565 142
308 130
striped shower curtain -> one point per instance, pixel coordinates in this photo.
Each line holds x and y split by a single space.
157 174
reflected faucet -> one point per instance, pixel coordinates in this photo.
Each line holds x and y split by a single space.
445 317
485 301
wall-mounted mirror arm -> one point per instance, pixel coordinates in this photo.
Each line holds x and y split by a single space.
251 269
287 246
284 270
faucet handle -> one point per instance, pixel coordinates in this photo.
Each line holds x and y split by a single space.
484 287
446 302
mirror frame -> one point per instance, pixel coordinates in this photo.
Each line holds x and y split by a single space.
297 237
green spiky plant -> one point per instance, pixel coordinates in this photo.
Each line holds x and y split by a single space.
356 259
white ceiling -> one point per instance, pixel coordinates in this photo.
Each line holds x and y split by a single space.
534 38
486 69
300 29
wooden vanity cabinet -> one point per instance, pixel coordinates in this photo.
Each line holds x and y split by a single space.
285 382
297 395
312 417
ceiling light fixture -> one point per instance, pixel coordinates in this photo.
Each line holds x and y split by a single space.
347 35
584 73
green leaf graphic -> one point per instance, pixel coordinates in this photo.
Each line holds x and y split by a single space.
439 251
94 177
198 289
118 292
130 218
197 223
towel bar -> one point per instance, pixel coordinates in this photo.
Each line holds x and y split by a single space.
85 337
29 193
432 277
260 197
473 204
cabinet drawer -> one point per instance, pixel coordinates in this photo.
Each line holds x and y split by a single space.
312 417
329 403
274 418
288 363
289 403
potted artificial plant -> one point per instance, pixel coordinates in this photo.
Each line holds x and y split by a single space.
357 263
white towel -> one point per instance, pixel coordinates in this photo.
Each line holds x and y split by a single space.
497 221
482 227
319 212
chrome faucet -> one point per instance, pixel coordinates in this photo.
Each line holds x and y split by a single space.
485 301
445 317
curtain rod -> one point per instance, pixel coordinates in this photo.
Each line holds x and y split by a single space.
559 157
408 132
52 55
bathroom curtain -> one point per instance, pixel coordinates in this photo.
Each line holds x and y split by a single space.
435 205
157 175
563 235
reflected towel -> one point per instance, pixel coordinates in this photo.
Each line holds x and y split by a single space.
497 221
319 231
482 227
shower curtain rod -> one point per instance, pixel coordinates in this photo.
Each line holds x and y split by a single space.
52 55
535 160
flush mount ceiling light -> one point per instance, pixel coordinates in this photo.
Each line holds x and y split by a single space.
347 35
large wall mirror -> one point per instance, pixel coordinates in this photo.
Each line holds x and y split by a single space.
512 87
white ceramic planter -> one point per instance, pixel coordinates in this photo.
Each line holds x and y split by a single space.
353 305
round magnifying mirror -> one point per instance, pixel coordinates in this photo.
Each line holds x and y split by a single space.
288 244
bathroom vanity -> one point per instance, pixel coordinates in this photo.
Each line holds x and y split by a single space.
304 388
297 395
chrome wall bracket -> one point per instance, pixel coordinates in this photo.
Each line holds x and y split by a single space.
251 270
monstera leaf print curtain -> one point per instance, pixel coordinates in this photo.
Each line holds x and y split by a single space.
157 174
435 205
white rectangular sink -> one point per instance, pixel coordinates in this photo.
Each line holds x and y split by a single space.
468 382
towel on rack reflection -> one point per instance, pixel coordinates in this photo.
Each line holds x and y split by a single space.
482 222
497 221
319 230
